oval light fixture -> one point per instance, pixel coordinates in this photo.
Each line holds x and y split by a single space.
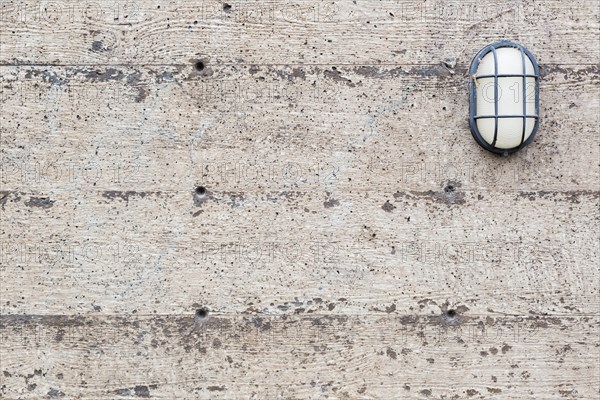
504 99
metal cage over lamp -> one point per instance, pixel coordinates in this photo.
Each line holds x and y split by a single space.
504 99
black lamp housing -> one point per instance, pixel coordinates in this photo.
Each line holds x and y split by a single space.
473 116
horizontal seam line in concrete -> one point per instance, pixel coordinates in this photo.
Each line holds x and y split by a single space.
259 65
582 192
191 314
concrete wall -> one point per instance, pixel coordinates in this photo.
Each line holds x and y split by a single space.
304 215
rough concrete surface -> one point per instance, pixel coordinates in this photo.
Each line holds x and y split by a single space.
283 200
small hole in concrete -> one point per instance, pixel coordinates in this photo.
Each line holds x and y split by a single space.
451 313
199 66
226 7
449 188
201 313
200 190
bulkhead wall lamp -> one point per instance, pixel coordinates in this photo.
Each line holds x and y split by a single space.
504 98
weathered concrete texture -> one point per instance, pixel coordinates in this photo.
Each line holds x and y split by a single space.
244 200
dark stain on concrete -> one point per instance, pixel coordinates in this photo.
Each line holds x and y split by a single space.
295 73
124 195
336 76
440 70
387 206
111 74
98 46
142 93
236 199
216 388
572 196
219 323
377 72
133 78
141 391
447 69
331 203
41 202
462 309
446 196
409 319
431 71
572 74
164 77
4 198
47 76
137 391
54 393
391 353
569 393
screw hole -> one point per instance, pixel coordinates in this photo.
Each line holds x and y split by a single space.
200 190
451 313
201 313
199 66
